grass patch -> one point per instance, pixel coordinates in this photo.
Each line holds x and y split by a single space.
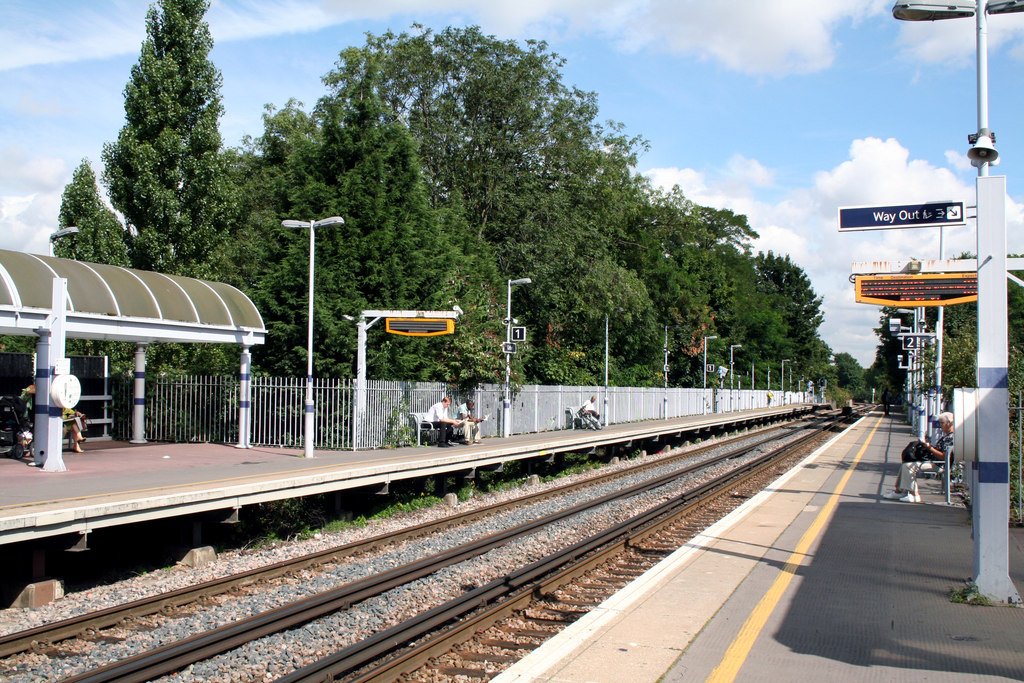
968 595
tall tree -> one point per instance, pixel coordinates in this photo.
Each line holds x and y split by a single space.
165 173
100 236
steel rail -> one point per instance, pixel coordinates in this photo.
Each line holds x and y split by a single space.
167 659
42 636
520 588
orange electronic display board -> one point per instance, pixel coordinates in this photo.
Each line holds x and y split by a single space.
924 289
419 327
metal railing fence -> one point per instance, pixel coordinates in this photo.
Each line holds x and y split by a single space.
205 409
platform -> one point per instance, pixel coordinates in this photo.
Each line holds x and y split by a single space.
114 483
818 578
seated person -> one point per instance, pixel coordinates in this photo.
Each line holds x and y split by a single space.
470 424
437 416
590 407
73 424
906 485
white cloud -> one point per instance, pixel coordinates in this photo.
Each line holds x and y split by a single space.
953 43
804 224
20 218
21 171
749 36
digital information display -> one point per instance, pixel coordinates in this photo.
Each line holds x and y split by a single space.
924 289
419 327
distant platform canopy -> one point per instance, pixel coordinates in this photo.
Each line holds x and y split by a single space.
124 304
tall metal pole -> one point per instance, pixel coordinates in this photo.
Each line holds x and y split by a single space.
506 404
605 413
990 472
506 419
310 408
782 382
705 398
664 408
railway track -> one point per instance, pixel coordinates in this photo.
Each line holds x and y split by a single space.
535 603
183 653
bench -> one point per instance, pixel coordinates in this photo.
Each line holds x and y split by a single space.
422 425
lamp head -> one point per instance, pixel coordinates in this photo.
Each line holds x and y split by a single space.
1005 6
933 10
520 281
54 236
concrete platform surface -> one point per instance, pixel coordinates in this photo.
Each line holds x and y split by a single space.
817 578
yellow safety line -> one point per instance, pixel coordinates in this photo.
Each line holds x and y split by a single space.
736 655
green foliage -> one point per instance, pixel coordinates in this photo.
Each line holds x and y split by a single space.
101 237
850 375
458 161
968 595
165 173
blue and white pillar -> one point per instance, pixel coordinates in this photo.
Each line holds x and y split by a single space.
139 398
245 399
49 427
991 470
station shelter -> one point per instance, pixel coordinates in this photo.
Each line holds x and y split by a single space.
54 299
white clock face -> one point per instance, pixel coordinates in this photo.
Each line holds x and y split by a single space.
65 390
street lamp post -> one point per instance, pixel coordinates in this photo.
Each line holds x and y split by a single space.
665 368
605 413
58 234
732 347
506 406
990 471
309 407
782 381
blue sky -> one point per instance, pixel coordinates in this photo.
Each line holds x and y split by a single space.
781 110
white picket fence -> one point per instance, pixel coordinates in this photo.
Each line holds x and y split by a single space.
205 409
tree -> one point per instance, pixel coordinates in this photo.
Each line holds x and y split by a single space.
165 173
850 375
533 184
100 236
351 158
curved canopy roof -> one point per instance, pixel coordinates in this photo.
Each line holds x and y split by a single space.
124 304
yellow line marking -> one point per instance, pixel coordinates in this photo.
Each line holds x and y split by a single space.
739 650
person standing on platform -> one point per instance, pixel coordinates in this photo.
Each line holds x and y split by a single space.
470 424
906 484
886 399
438 418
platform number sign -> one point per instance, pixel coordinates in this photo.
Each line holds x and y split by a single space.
518 334
710 367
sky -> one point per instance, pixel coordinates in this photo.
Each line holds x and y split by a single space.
783 111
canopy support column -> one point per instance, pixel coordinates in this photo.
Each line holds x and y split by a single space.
139 399
244 399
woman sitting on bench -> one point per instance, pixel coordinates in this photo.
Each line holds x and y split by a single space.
73 423
906 485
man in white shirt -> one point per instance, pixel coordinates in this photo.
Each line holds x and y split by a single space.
438 417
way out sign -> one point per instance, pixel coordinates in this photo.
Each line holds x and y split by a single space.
929 215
